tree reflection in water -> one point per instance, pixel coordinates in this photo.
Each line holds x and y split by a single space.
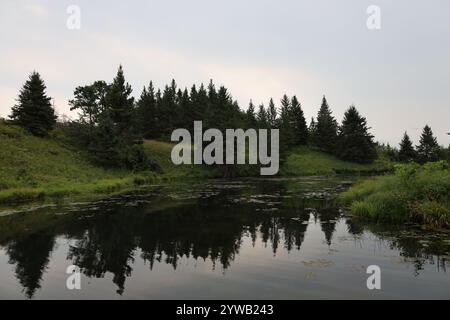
211 227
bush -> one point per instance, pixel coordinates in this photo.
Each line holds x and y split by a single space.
434 214
134 157
414 193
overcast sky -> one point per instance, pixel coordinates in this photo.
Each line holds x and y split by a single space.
398 76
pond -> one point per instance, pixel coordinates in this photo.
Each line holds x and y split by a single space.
241 239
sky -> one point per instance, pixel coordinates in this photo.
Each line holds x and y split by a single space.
398 76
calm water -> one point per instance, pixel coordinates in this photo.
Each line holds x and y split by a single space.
249 239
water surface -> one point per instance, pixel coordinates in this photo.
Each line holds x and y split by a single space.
246 239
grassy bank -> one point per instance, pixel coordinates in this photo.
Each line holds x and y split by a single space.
413 194
305 161
34 168
160 152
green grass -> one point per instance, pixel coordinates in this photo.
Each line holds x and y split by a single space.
34 168
305 161
160 152
414 194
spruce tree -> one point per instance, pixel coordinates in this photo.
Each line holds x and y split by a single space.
261 117
251 116
120 102
201 104
195 112
428 150
213 111
312 132
272 115
225 109
287 125
167 108
355 143
326 128
406 152
34 110
146 113
185 110
300 126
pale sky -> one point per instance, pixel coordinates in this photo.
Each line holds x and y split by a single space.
398 76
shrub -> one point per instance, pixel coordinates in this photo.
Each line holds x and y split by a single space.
434 214
413 193
134 157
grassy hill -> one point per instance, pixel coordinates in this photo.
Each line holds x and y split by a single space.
33 168
160 152
304 161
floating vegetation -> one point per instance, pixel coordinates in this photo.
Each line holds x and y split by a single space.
320 263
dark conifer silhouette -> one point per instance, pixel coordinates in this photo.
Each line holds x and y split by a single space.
146 116
287 125
355 143
251 116
300 126
406 152
34 110
326 129
272 115
120 102
262 118
109 110
428 150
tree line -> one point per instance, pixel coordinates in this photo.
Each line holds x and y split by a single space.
111 124
428 149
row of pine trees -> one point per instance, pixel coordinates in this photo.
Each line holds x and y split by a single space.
428 149
112 125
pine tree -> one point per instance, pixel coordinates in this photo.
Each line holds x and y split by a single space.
285 104
225 109
201 104
287 125
355 143
120 102
251 116
34 110
167 109
185 110
146 113
195 111
428 150
262 118
272 115
407 152
300 126
312 132
326 128
213 111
